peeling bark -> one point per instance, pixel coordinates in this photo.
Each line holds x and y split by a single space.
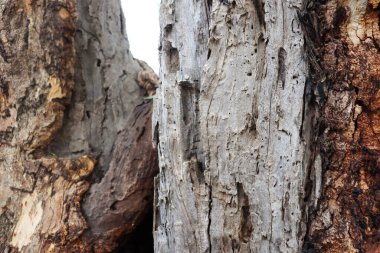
67 87
266 124
347 218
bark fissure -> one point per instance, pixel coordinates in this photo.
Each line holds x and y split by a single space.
179 114
209 219
246 85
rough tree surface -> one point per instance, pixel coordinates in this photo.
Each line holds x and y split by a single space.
347 218
234 155
67 87
268 127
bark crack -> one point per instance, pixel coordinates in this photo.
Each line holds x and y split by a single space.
209 218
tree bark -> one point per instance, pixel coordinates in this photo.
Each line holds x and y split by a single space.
234 150
347 217
68 86
267 125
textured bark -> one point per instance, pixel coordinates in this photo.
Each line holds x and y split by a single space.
347 217
67 86
253 142
230 120
105 92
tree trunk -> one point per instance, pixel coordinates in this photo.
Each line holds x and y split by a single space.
266 124
267 127
67 87
234 155
347 216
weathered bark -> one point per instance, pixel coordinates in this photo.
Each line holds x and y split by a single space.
234 155
347 217
265 138
105 92
67 87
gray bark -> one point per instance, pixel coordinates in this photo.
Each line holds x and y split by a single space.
105 92
234 151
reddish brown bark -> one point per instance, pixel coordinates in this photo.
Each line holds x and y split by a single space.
347 219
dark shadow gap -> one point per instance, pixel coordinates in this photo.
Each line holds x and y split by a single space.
141 241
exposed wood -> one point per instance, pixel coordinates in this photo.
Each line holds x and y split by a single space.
266 122
67 86
37 67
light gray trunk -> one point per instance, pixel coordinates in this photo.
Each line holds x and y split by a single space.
234 151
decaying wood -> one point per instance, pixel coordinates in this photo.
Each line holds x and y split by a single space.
234 122
347 217
234 152
67 87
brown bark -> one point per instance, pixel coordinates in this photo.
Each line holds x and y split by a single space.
347 218
118 203
67 88
236 144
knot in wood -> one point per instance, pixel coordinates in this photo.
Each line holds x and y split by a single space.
148 80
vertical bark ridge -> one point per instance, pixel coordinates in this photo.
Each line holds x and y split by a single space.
249 78
250 118
183 225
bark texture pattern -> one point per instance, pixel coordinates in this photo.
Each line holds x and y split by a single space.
37 66
106 91
67 86
347 218
229 117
